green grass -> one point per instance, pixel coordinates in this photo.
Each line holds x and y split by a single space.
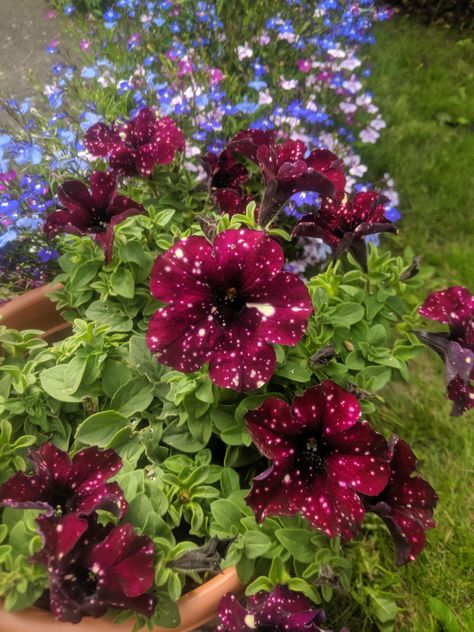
423 79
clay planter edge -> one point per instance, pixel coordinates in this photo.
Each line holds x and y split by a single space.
35 310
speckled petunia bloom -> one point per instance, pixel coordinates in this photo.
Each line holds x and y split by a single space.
226 302
453 306
136 146
92 568
94 213
406 504
287 169
225 179
322 457
60 485
343 225
282 610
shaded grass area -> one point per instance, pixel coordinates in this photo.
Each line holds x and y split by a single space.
423 80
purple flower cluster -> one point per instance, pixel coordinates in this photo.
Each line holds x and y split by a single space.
90 567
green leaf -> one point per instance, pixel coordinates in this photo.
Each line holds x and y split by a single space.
100 428
298 543
123 283
294 372
133 397
384 609
138 509
114 375
230 481
167 611
256 544
109 314
377 335
180 438
345 314
442 613
53 382
226 514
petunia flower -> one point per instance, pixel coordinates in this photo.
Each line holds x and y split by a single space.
92 568
282 610
136 146
322 457
287 171
225 302
344 225
225 179
61 485
453 306
406 504
95 212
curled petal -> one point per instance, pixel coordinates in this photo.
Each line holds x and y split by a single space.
268 495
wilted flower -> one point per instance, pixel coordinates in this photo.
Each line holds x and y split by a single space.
92 568
344 225
455 307
286 171
226 302
406 504
61 485
93 213
323 458
136 146
225 177
282 610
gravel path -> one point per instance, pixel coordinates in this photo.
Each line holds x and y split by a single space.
24 34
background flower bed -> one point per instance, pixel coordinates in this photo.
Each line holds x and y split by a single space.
422 417
306 77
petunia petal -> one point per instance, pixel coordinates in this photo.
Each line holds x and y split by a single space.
122 159
143 126
342 409
108 497
26 492
268 495
103 186
269 426
285 306
182 274
231 615
98 139
241 361
454 306
183 338
75 196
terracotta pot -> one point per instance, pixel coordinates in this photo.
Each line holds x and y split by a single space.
35 310
196 608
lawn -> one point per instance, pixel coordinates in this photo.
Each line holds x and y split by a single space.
423 80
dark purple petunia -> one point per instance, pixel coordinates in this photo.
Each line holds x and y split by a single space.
136 146
95 212
61 485
226 302
92 568
343 225
225 179
453 306
287 170
406 504
282 610
323 458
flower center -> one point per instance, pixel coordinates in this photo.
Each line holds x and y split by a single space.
79 582
310 457
228 304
